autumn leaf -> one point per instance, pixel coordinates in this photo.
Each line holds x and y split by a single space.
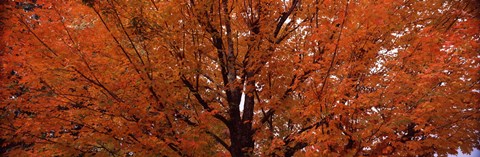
239 78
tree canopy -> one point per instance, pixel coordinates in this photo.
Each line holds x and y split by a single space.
239 78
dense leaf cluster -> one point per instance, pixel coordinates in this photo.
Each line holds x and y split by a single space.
239 78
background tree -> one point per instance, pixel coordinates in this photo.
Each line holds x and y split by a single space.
240 78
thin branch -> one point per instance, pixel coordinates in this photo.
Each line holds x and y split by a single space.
154 5
218 139
202 102
99 85
284 17
334 52
116 40
125 32
38 38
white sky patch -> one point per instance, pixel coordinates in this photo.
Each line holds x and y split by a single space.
288 20
386 52
379 64
334 77
443 84
448 49
374 109
399 34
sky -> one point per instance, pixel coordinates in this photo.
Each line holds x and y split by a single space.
475 153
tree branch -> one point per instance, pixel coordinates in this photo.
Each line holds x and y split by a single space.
38 38
219 140
284 17
202 102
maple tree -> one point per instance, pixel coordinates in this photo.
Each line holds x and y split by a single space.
239 78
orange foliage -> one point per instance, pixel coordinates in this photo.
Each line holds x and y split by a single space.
239 78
